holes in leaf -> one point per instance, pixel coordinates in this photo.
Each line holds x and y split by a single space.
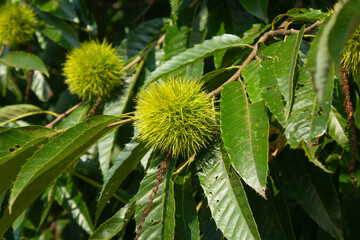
12 149
216 177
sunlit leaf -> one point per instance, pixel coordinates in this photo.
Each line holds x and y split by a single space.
197 53
24 60
245 132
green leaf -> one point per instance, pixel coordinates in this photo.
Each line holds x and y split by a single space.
40 87
58 31
226 197
308 120
337 128
270 91
272 214
320 63
251 77
47 163
116 223
176 40
245 132
127 160
16 146
187 224
160 223
284 57
141 37
13 112
304 15
24 60
347 19
312 188
60 8
69 197
258 8
197 53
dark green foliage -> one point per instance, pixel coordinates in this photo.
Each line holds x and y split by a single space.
282 165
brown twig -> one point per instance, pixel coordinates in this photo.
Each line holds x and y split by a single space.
61 116
93 109
139 58
28 86
119 123
2 49
351 125
253 53
30 78
159 176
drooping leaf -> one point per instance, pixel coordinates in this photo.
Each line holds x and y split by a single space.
308 120
245 132
16 146
24 60
69 197
225 195
127 160
187 224
313 190
272 214
47 163
160 223
197 53
61 9
116 223
257 7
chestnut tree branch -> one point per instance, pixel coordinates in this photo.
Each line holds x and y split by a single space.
253 53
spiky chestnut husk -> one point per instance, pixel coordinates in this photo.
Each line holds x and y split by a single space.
93 70
175 116
350 58
17 24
